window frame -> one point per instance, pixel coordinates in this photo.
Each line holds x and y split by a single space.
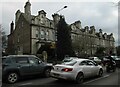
93 63
16 60
82 64
35 58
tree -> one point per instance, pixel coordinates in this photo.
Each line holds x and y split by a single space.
79 45
3 39
100 51
64 43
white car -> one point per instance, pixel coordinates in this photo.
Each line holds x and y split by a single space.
96 59
76 69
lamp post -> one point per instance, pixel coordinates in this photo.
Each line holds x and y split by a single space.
55 26
61 9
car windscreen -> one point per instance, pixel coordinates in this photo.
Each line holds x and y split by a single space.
70 62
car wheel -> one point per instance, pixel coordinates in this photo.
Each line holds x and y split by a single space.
80 78
100 73
47 72
12 77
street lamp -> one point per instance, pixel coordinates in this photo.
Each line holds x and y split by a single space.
56 32
61 9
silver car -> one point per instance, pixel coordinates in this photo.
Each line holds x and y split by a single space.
76 69
96 59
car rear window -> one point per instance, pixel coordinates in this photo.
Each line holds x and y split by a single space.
67 60
70 62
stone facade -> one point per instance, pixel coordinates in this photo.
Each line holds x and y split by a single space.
32 32
86 40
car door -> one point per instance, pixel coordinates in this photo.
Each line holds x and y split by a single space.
36 65
93 67
85 68
22 64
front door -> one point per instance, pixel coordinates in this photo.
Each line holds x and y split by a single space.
93 68
23 65
86 68
35 66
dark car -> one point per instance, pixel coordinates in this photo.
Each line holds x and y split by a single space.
16 66
105 60
117 60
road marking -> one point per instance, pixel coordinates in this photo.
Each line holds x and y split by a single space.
96 79
26 84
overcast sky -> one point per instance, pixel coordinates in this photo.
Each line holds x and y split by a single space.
103 15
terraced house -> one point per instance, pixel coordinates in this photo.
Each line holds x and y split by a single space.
87 41
35 34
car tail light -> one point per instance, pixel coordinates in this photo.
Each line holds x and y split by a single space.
67 69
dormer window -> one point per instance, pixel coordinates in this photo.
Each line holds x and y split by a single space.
41 20
73 28
42 16
50 24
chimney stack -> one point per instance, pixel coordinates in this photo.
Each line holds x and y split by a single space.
11 27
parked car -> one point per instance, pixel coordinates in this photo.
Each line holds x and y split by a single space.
76 70
105 60
117 60
96 59
111 66
16 66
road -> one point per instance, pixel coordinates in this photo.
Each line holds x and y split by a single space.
106 79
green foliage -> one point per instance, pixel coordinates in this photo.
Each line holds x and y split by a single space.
64 43
3 40
100 51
